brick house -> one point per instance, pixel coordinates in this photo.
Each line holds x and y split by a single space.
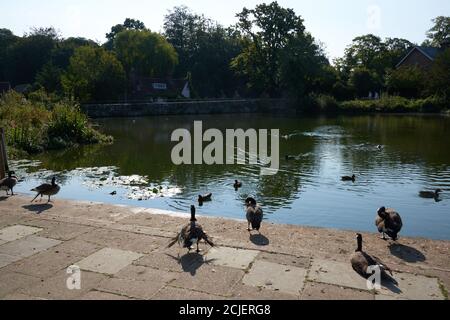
143 87
420 56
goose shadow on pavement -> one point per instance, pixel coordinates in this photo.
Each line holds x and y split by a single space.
38 208
190 262
259 240
406 253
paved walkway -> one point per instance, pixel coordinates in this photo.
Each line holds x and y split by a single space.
122 254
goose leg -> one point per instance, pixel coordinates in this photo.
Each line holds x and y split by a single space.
12 192
48 199
35 197
249 229
383 236
198 250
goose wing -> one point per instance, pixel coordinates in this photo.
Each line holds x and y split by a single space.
43 188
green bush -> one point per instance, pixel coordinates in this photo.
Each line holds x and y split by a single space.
41 123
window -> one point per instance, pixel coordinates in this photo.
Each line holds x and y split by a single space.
160 86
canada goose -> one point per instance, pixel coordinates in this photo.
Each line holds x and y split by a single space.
237 184
347 178
47 189
430 194
204 198
289 157
379 147
361 261
254 214
191 234
388 222
9 182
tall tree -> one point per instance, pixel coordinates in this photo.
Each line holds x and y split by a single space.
275 42
145 53
26 57
94 74
7 39
129 24
440 32
203 45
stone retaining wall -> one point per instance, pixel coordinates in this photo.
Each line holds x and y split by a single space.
188 107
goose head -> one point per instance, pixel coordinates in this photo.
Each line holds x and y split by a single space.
382 212
250 201
53 181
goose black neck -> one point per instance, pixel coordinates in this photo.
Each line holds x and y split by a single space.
359 248
193 214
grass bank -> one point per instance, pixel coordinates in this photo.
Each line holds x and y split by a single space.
386 104
41 122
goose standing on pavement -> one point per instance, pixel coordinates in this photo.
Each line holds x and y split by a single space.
361 261
191 234
9 182
388 222
47 189
254 214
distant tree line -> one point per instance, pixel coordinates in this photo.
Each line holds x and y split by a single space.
267 53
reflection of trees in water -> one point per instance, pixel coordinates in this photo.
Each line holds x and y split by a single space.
142 146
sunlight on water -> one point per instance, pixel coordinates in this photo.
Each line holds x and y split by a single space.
393 157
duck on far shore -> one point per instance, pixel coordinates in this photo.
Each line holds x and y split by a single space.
237 184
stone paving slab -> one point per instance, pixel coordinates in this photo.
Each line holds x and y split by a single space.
6 259
274 276
99 295
322 291
11 281
55 287
244 292
2 242
172 262
172 293
108 261
16 232
28 246
231 257
336 273
44 264
136 289
414 287
216 280
59 230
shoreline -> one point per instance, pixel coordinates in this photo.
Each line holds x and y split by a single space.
316 258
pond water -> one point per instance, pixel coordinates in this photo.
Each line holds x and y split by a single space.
307 190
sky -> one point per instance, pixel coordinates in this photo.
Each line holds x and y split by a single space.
333 22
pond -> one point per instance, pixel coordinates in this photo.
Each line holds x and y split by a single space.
138 171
